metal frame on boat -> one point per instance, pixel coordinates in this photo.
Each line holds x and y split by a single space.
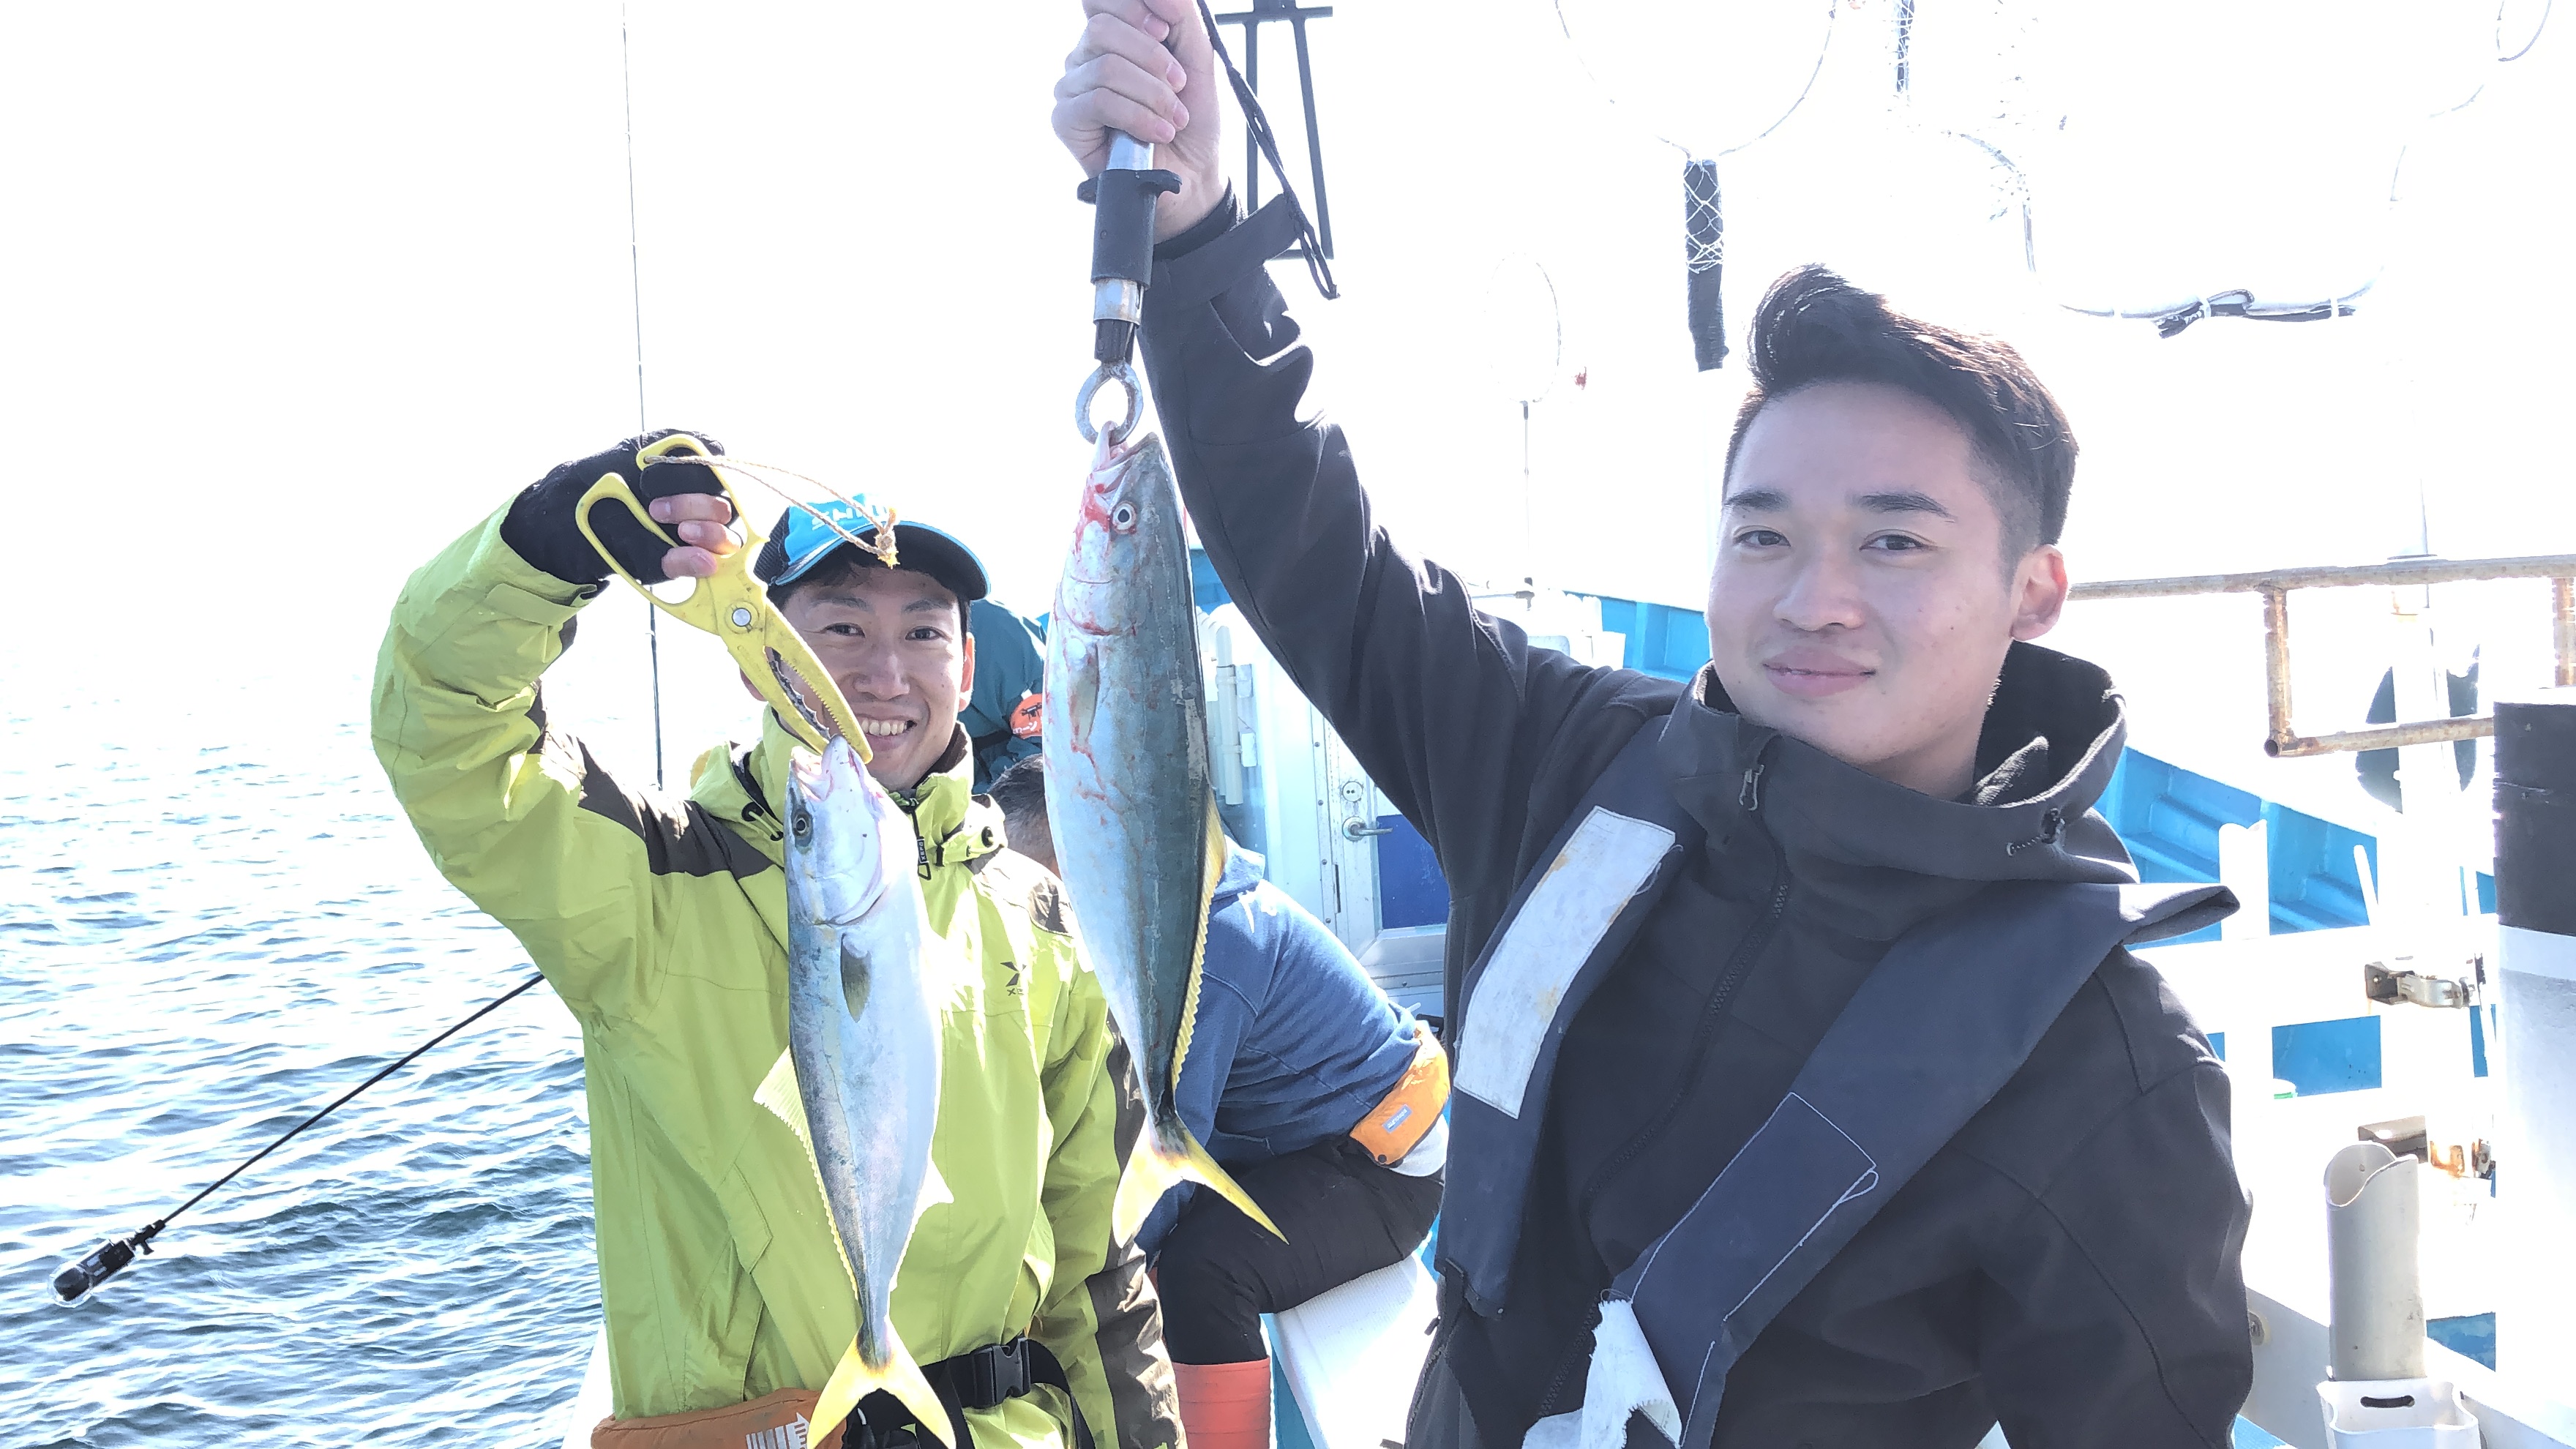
2275 585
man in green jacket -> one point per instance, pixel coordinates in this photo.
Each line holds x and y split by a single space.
660 921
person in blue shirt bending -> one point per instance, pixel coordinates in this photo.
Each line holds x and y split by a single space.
1320 1096
1001 714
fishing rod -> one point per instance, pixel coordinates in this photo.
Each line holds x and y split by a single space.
77 1280
635 291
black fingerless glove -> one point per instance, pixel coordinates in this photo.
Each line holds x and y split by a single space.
540 527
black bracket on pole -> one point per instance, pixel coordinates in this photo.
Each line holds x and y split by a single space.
1262 13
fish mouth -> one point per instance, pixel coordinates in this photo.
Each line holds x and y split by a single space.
799 696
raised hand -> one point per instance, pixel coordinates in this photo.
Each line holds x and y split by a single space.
1145 67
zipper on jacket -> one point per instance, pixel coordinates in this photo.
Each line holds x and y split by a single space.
2052 828
1739 964
1574 1361
758 812
909 802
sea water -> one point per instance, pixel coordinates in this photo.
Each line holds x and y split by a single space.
213 920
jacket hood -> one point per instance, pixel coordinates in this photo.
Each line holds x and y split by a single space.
1243 871
2053 735
743 785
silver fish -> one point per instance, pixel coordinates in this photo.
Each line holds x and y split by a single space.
1128 798
863 1036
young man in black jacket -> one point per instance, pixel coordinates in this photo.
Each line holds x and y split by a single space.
1875 741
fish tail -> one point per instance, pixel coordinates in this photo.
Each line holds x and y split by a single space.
853 1380
1156 1170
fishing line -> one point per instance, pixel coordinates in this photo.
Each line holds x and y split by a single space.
75 1280
880 520
1832 17
2528 41
2174 317
635 287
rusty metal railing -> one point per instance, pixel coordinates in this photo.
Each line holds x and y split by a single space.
2275 587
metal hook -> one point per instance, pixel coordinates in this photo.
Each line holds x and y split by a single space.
1125 376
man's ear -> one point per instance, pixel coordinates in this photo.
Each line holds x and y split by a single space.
966 671
2039 591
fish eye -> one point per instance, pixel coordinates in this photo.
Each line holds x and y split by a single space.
1125 516
802 822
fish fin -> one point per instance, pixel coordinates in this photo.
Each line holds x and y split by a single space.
1082 696
1211 869
852 1380
1152 1172
778 1093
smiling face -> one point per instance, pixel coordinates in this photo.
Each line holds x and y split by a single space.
895 642
1862 600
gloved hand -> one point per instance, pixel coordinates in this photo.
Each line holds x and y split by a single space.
540 527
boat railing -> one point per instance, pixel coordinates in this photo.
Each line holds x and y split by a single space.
2276 585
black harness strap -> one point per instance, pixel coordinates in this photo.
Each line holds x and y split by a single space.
1937 1029
980 1378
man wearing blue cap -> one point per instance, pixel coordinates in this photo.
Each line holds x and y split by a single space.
660 921
894 639
1006 663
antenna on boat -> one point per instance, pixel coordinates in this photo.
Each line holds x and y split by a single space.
635 289
75 1281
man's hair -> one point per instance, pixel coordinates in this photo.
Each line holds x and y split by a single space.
1020 793
1813 328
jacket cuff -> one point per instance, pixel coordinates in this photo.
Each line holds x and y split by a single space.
494 562
1219 220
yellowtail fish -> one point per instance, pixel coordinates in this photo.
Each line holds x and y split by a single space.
1128 798
860 1080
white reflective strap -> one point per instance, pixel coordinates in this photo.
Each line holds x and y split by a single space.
1608 860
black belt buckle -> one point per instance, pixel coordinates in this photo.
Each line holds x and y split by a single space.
994 1373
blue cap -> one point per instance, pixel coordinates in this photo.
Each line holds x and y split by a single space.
801 541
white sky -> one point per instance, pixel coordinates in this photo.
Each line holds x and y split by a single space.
293 294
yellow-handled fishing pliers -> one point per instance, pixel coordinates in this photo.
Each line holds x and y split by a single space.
733 606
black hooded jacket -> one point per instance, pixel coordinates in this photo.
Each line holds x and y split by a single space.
2068 1264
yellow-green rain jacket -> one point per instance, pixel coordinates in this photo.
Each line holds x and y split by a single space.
662 923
